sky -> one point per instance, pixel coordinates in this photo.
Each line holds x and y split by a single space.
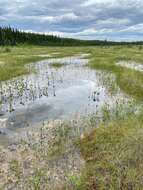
117 20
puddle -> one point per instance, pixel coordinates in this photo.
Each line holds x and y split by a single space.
33 106
50 94
131 65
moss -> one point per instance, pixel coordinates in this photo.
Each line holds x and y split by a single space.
114 155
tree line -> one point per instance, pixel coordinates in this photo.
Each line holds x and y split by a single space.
11 36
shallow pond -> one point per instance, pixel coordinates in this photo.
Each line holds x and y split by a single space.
51 93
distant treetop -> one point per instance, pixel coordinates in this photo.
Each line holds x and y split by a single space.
11 36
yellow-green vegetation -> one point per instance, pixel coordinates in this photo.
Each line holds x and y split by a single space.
130 81
13 60
113 151
57 65
114 155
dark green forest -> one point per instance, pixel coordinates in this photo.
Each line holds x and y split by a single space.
11 36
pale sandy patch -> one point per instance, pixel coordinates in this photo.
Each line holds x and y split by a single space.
131 65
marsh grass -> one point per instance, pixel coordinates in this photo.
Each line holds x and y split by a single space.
113 154
14 59
57 65
112 148
102 58
111 162
130 81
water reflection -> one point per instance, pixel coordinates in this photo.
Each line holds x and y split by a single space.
51 93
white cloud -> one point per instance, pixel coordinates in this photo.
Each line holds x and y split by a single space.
76 18
135 28
95 2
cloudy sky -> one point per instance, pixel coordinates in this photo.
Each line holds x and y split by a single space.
120 20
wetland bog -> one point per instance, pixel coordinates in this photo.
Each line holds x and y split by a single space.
72 112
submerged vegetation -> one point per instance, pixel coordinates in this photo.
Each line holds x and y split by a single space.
109 149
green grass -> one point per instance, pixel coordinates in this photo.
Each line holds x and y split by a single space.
114 151
114 155
14 59
57 65
130 81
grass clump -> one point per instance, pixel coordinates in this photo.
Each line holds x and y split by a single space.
56 65
130 81
114 155
7 50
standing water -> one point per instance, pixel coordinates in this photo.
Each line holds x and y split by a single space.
51 92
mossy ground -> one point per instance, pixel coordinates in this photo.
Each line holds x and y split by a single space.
113 151
114 155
